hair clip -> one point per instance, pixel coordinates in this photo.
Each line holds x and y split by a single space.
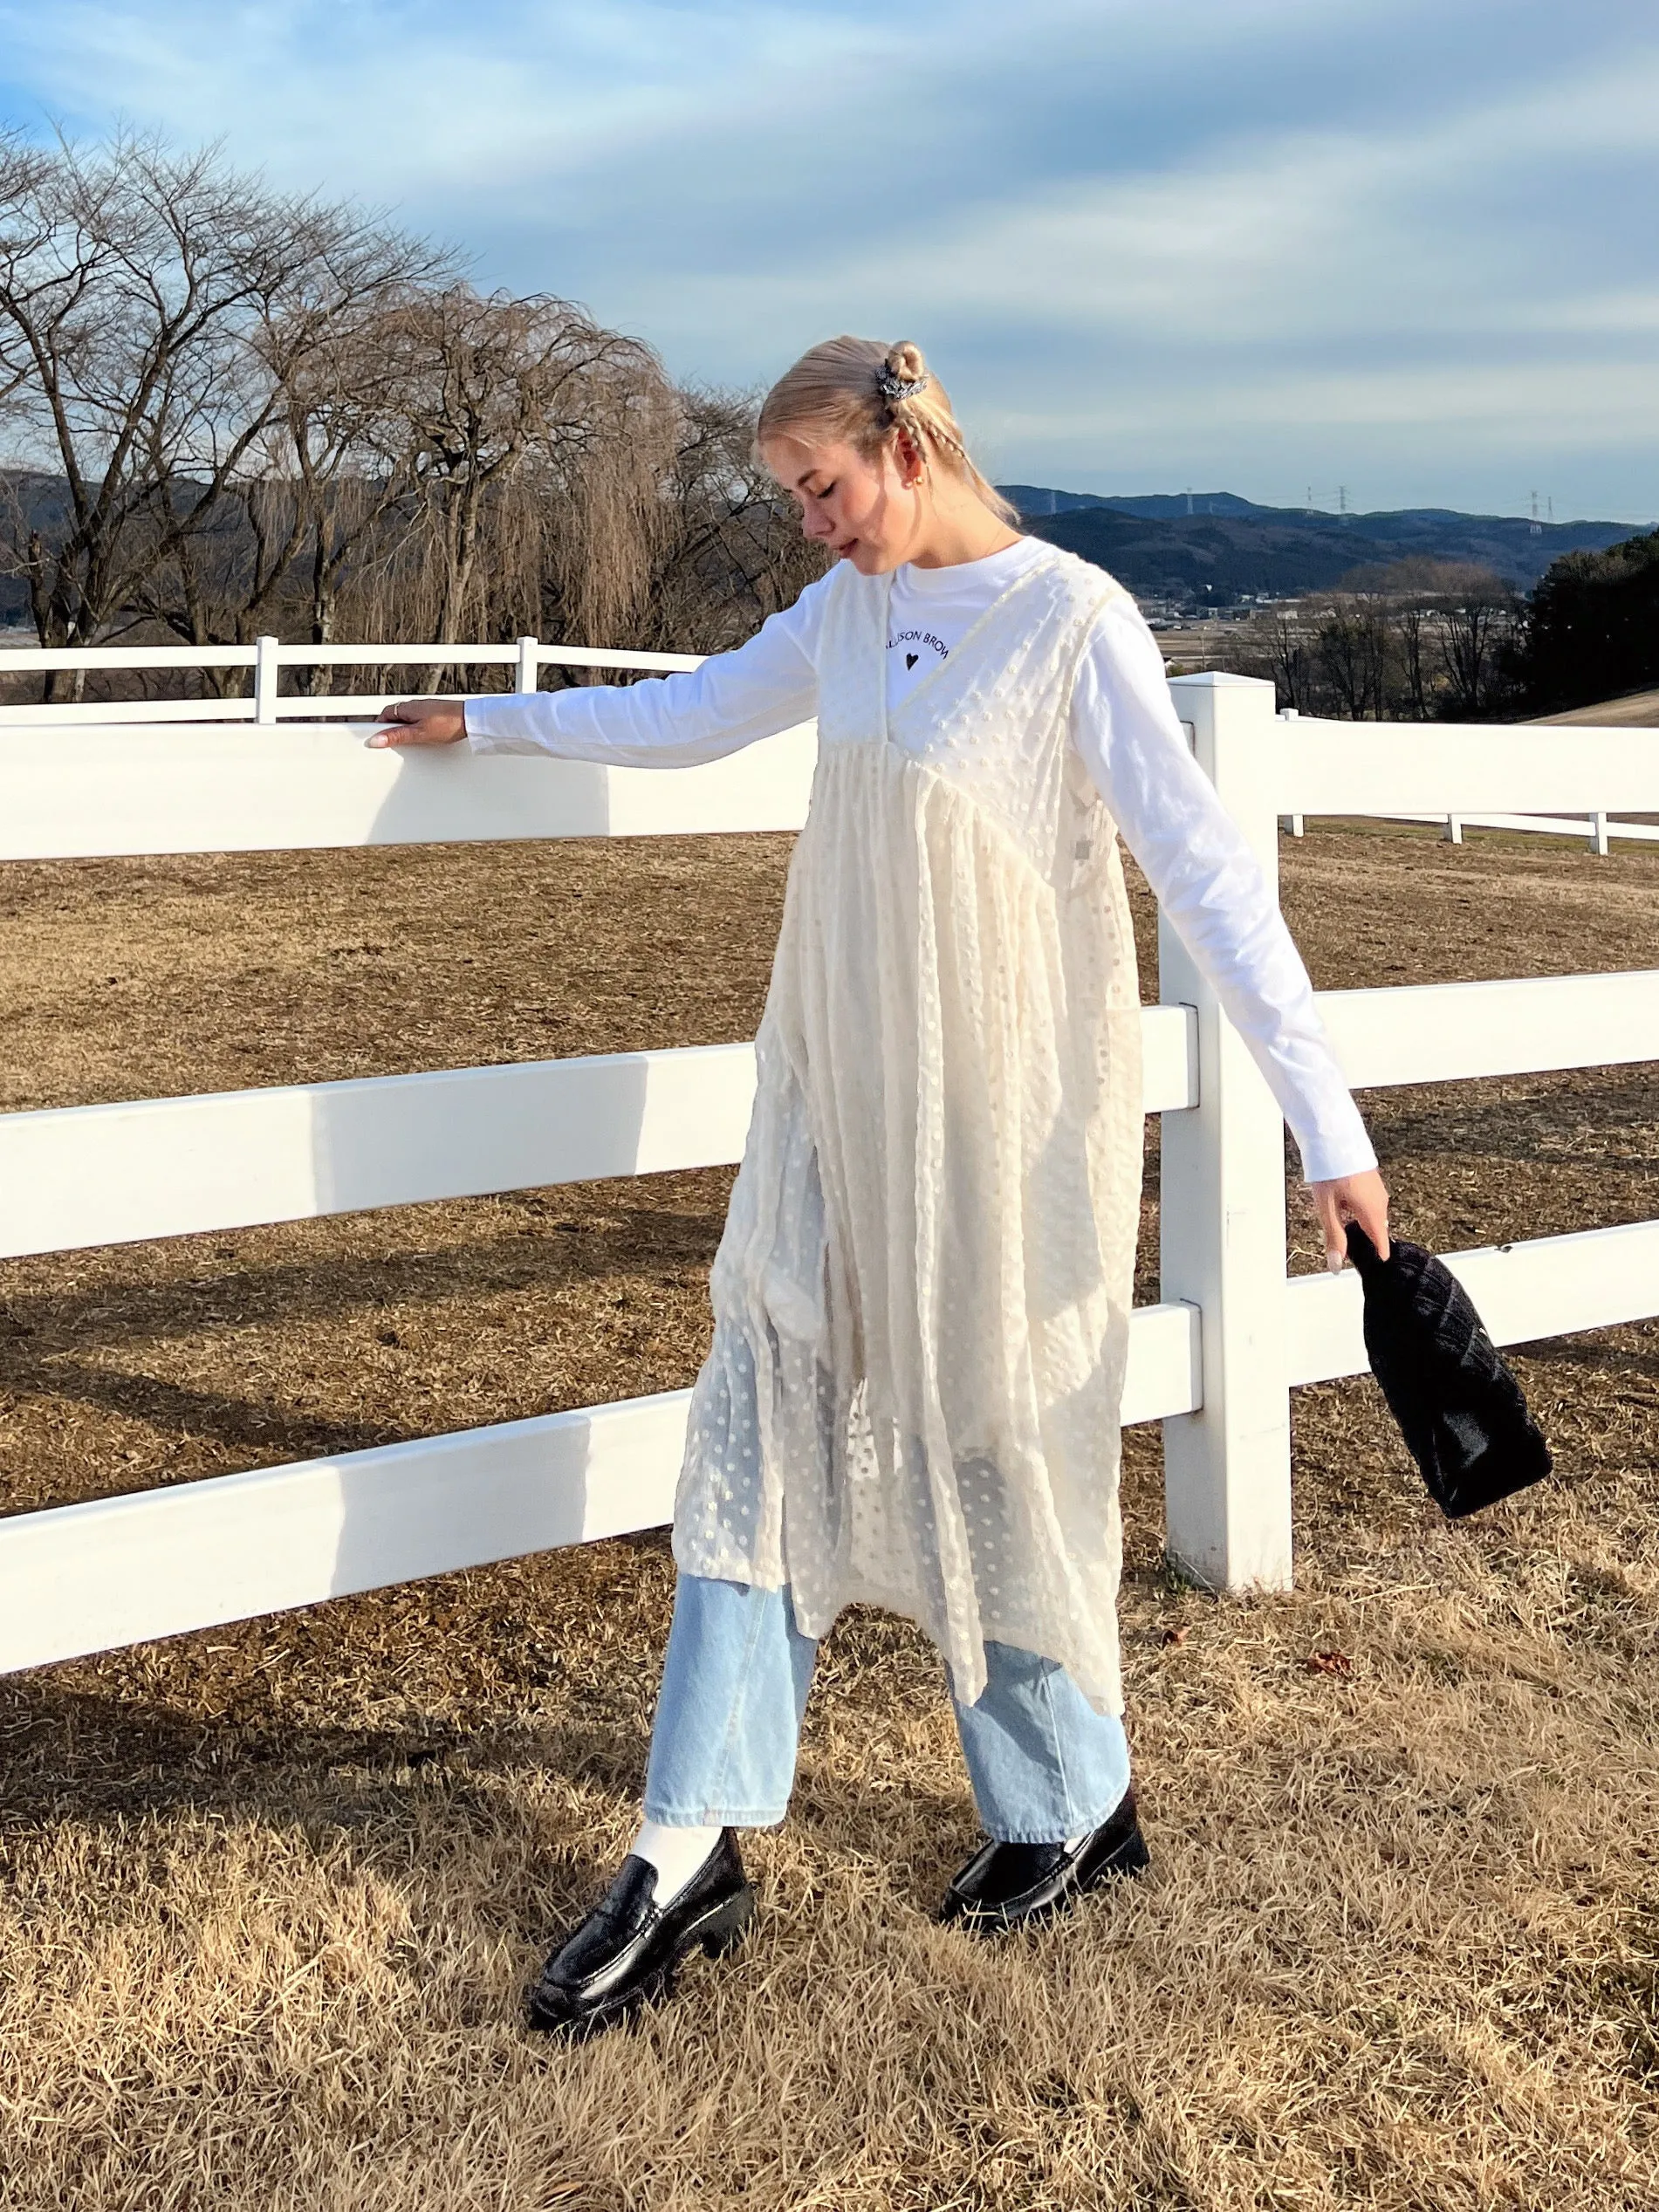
894 386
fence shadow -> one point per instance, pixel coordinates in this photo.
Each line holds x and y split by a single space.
441 794
407 1510
402 1512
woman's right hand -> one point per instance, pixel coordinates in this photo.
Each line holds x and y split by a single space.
1362 1198
421 722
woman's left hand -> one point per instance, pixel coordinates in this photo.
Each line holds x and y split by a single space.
421 722
1362 1198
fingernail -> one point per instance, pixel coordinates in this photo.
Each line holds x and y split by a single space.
1334 1263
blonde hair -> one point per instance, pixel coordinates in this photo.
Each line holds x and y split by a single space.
859 390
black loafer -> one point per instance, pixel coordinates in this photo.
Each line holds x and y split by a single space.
1010 1884
625 1952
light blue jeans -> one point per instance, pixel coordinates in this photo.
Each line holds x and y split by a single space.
1042 1763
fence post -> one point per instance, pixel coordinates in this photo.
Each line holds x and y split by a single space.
1453 832
1294 823
529 664
1599 835
1227 1469
265 666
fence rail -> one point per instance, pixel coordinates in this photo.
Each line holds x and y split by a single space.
80 791
1593 829
1215 1360
74 1176
267 657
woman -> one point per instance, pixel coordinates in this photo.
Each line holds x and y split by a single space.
921 1296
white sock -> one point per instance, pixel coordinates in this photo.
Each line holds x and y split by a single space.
1071 1842
677 1854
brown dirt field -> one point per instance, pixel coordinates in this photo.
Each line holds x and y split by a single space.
270 1892
1630 710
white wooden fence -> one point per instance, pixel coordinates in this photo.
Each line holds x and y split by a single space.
1215 1360
1595 829
268 657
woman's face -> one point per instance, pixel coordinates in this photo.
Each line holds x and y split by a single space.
865 511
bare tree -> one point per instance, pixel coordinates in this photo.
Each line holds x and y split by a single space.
1414 638
610 529
325 509
496 396
1448 625
229 411
1354 653
1478 626
151 307
1413 627
1280 646
733 552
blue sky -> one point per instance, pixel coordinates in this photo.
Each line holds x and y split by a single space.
1404 246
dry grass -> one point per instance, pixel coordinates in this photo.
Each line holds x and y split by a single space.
270 1892
1630 710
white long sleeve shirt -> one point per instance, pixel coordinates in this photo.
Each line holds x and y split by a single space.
1125 728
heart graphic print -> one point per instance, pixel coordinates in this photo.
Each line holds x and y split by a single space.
913 653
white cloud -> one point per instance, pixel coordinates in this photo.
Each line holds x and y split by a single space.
382 96
1486 405
1452 261
1318 234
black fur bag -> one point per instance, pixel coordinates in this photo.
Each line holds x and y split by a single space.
1459 1408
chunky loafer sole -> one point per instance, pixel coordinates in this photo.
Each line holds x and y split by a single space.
1008 1886
719 1928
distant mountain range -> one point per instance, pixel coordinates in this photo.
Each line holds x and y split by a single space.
1203 549
1212 549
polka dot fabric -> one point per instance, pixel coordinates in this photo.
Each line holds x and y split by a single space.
922 1297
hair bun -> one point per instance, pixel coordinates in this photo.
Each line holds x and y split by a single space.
903 375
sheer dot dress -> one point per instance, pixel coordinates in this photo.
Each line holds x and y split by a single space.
921 1296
